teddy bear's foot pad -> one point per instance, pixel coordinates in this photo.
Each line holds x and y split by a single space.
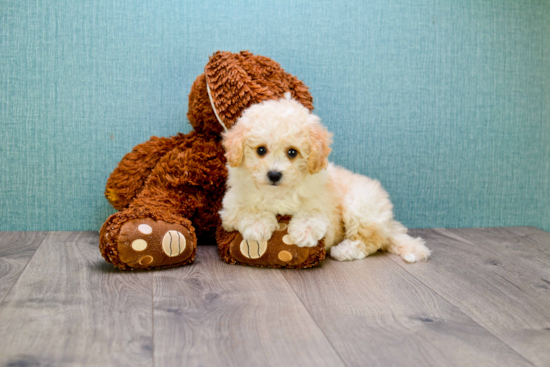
145 243
279 251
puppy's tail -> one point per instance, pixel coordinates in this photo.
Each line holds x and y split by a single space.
411 249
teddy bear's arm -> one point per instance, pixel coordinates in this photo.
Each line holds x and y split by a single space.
127 180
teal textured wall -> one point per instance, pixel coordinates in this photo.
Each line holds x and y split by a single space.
447 103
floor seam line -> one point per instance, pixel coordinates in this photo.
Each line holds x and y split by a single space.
24 268
312 318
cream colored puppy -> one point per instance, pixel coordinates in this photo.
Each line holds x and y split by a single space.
277 160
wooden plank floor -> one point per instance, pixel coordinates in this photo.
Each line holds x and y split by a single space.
483 299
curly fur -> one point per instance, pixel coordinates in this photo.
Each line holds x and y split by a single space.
351 212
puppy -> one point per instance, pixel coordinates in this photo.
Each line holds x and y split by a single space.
277 160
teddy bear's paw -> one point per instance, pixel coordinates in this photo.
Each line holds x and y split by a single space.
145 243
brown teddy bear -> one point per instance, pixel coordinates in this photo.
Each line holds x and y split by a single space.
169 190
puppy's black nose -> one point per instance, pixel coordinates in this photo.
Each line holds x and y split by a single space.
274 176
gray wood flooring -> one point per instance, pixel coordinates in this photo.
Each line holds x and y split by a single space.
483 299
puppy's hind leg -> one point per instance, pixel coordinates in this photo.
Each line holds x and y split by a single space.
366 213
362 238
409 248
353 249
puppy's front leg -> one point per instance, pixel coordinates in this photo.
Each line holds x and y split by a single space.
256 226
306 229
252 225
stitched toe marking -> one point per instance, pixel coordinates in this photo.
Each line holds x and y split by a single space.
285 256
139 245
146 260
253 249
287 240
173 243
145 229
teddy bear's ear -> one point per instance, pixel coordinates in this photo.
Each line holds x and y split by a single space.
300 92
319 144
236 81
231 88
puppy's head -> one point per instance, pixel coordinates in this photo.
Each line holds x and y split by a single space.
278 143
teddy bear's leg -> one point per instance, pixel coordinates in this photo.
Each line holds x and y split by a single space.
136 238
128 178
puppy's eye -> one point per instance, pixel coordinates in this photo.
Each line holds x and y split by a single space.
261 151
292 153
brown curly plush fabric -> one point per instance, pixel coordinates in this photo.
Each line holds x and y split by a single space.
180 180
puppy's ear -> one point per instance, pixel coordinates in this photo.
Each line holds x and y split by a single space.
233 143
319 145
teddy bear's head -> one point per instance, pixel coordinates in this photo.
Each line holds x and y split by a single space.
232 82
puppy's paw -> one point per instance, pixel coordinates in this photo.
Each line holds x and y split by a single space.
228 227
259 229
307 232
348 250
